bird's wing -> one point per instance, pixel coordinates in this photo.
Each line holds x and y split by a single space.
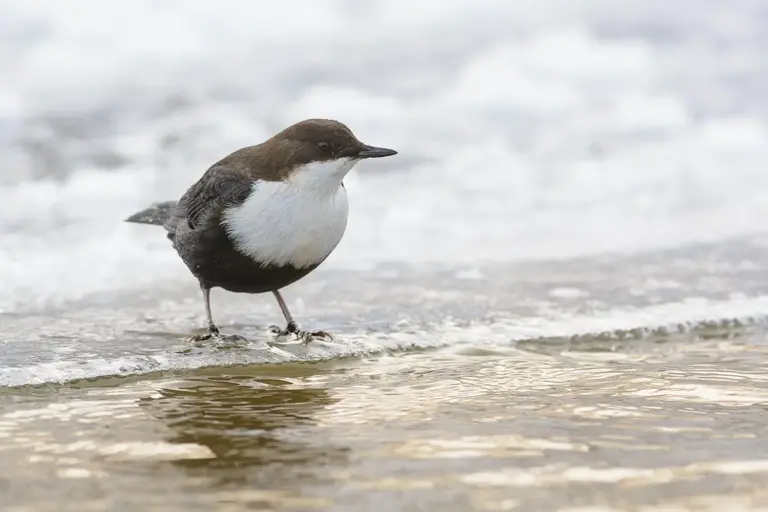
219 188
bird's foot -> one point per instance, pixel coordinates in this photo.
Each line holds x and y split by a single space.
304 336
214 335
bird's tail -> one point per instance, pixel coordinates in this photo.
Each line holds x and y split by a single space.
157 214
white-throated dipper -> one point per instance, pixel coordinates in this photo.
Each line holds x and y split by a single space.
265 216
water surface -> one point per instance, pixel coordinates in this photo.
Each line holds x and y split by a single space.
676 422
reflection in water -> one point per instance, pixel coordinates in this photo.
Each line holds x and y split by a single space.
246 422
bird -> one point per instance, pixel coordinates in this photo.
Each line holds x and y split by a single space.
265 216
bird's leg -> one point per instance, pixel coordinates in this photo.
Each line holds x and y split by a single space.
213 331
291 326
208 316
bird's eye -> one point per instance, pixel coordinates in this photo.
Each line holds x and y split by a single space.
324 146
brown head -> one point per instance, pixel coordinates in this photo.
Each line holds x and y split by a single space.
313 149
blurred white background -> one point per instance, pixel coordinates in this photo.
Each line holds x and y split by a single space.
526 128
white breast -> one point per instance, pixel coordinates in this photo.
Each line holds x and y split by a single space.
296 222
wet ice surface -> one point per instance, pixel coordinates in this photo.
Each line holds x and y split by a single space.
395 307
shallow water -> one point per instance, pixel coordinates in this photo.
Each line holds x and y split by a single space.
677 422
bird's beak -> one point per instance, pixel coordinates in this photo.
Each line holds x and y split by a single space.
374 152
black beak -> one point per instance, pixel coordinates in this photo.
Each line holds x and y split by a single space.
374 152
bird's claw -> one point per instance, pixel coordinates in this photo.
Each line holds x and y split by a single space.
304 336
213 334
